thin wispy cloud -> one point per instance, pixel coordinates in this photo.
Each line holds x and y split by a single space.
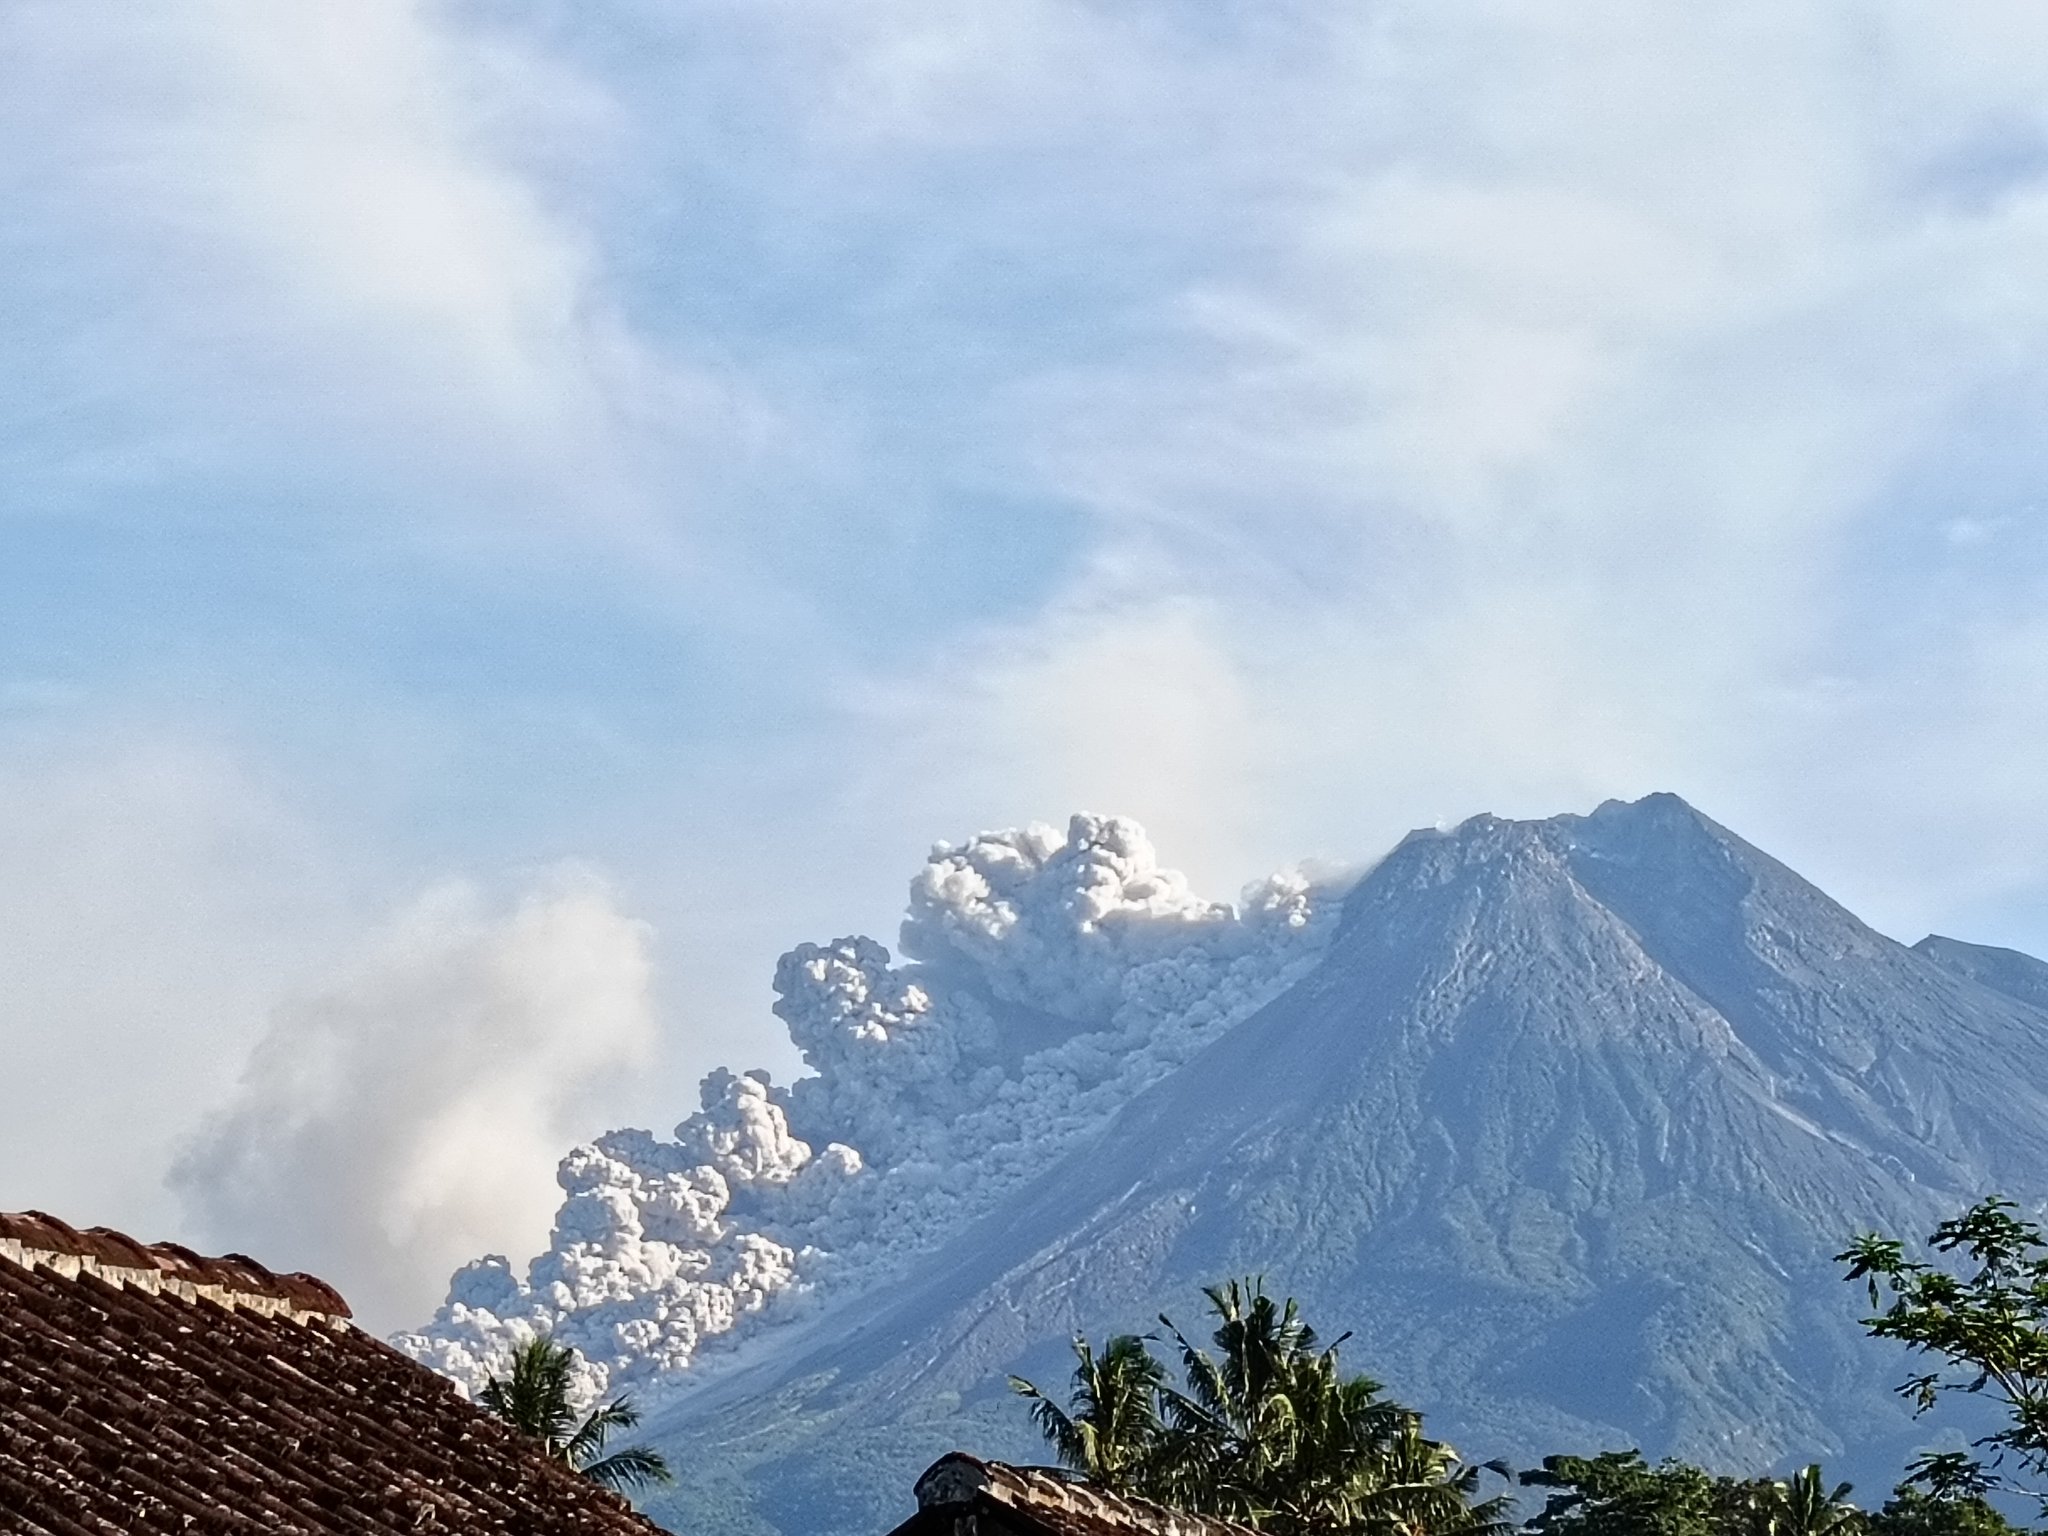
1541 451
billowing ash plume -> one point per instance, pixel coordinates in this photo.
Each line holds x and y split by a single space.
1045 979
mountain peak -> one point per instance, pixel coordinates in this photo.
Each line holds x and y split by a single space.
1659 816
1660 837
1659 803
1649 918
1657 863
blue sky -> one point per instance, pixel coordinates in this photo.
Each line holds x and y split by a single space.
687 458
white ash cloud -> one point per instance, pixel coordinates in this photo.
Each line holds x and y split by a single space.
394 1122
1046 978
1055 923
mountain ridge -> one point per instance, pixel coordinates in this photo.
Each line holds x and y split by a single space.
2019 976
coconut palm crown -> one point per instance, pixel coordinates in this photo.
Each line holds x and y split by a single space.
1267 1430
537 1396
1110 1432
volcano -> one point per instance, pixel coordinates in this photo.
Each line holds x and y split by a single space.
1565 1127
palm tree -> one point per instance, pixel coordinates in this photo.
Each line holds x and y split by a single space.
1268 1430
1237 1423
1421 1487
536 1398
1804 1506
1109 1432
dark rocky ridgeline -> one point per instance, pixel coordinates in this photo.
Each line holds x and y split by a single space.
1566 1127
2003 970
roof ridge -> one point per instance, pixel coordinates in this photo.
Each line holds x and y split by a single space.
38 1240
959 1478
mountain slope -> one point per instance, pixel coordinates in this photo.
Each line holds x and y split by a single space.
2003 970
1566 1126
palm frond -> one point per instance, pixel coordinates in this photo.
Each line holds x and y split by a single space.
597 1427
1264 1427
536 1396
634 1466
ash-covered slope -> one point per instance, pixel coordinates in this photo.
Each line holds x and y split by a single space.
2002 970
1566 1125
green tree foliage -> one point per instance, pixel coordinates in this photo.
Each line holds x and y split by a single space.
1420 1487
1912 1511
1617 1493
1263 1426
1110 1431
1804 1505
536 1397
1984 1330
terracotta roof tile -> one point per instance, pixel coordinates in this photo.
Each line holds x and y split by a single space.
235 1275
1038 1499
149 1388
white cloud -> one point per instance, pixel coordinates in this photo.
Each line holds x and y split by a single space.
1543 440
157 894
312 236
407 1114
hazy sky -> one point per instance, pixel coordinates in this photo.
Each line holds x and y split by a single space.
516 511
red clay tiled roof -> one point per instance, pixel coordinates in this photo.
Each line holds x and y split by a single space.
104 1248
964 1492
146 1388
